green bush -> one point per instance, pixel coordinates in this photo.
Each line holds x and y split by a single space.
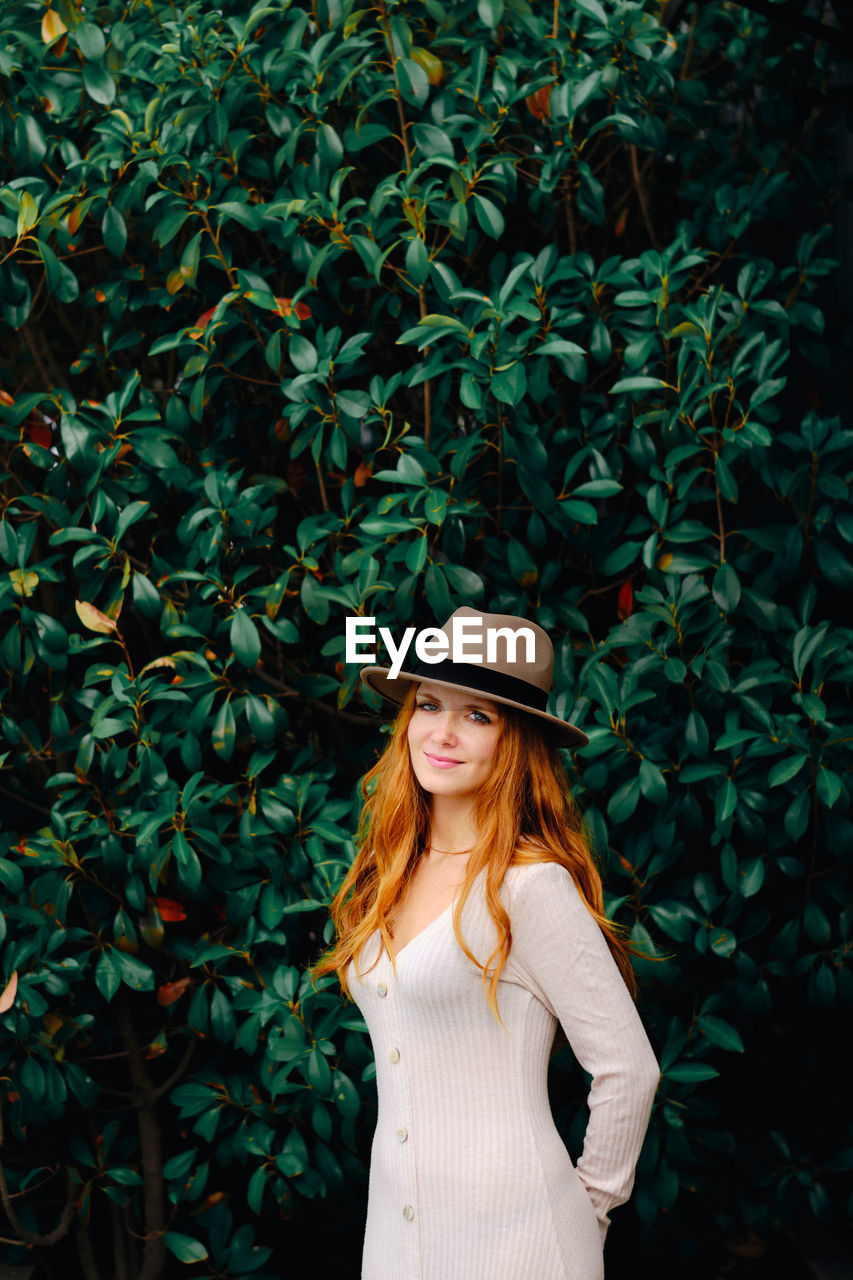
317 310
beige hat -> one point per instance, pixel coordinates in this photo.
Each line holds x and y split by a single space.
506 659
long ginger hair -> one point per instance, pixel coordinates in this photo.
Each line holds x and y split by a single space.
522 813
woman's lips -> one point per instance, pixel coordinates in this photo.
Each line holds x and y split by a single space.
441 762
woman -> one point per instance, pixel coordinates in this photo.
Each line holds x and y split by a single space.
469 925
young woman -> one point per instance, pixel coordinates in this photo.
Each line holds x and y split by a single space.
470 924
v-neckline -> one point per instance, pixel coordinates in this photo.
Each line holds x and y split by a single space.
426 928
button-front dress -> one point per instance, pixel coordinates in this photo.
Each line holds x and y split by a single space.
469 1178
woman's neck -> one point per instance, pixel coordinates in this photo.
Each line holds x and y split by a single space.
452 829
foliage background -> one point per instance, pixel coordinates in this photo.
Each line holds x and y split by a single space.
316 309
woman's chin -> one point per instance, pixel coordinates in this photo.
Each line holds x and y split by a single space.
437 783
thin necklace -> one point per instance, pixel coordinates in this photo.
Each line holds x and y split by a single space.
433 849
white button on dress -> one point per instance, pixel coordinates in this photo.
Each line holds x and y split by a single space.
394 1055
402 1134
408 1212
381 989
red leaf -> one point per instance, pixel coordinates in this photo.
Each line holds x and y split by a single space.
285 308
625 602
203 321
538 103
172 991
38 432
169 909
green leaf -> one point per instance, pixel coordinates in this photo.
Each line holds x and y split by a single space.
413 81
224 731
722 941
107 976
134 972
318 1072
99 84
114 231
726 801
785 770
726 588
652 782
90 41
624 800
720 1032
222 1021
725 480
638 383
594 9
558 347
417 261
302 353
255 1190
435 506
691 1072
509 385
597 489
329 146
489 216
245 639
437 593
816 924
490 12
314 600
185 1248
128 516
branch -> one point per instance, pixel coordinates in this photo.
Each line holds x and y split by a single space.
173 1079
154 1251
34 1237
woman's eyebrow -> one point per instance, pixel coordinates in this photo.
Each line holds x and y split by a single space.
469 706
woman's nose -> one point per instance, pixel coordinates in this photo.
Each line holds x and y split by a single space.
444 727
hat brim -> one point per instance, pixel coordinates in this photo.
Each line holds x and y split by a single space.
559 731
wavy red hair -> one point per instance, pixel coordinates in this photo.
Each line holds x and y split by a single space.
523 813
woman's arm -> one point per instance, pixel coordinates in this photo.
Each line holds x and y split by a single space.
564 957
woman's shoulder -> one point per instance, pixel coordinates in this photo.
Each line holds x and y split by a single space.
538 873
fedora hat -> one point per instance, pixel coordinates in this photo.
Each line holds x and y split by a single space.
508 659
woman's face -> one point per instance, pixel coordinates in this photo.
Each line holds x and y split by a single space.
452 739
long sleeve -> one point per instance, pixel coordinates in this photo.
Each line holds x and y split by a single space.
562 955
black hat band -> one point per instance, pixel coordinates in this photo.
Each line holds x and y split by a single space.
485 680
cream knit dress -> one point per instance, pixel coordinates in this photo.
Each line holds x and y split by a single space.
469 1179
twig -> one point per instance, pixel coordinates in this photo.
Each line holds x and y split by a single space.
313 702
640 189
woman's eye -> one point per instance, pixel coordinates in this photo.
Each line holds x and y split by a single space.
483 718
425 706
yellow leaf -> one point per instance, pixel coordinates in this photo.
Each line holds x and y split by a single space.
28 214
124 118
52 26
76 216
175 280
157 662
7 999
24 581
429 63
93 619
